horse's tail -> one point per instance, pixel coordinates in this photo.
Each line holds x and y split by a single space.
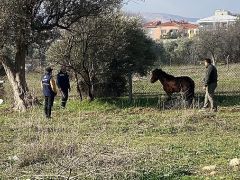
190 93
192 87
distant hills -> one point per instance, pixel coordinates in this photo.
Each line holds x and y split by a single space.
165 17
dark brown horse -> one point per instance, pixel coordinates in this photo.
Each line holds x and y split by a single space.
171 84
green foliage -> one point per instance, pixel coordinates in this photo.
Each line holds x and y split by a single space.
176 52
140 54
222 45
104 50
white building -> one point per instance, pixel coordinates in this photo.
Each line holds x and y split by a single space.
221 19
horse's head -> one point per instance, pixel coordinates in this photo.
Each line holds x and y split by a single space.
155 75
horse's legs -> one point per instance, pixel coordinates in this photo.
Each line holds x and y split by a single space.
187 98
184 99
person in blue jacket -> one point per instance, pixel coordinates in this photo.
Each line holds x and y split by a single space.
49 91
63 85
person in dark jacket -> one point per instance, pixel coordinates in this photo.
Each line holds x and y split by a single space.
63 85
49 91
210 84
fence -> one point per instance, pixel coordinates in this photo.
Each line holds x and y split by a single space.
228 79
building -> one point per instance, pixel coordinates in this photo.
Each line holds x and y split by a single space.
171 30
152 29
221 19
176 29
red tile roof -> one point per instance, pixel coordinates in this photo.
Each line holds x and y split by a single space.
169 24
190 26
182 24
152 24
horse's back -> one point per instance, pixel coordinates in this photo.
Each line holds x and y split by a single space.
186 80
187 85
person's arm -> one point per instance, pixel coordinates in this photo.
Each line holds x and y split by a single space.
53 85
207 76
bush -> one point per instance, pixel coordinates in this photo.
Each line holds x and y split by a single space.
114 86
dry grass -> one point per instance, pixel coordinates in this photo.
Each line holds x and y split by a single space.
116 139
103 141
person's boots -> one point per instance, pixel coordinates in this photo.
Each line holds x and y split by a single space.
63 104
45 111
48 115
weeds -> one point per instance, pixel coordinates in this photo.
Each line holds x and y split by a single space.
102 141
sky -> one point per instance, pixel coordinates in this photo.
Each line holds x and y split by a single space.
186 8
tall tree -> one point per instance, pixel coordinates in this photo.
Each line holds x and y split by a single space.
21 22
211 42
105 50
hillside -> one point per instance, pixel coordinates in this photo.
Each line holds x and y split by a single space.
165 17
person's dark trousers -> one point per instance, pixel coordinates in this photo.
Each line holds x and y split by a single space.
48 106
64 98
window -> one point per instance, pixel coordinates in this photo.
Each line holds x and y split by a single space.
163 31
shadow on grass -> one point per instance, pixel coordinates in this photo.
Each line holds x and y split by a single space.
228 100
157 102
124 102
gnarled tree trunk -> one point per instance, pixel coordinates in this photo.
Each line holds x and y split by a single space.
15 72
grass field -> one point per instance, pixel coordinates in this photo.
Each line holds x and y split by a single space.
116 139
119 140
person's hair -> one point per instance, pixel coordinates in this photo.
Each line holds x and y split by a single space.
48 69
63 67
209 61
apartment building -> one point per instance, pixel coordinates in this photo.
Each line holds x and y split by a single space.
170 30
220 19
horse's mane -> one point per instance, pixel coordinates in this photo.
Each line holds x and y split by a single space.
164 74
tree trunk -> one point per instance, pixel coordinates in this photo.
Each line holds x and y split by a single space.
130 94
16 76
213 59
42 56
227 59
89 81
78 86
19 89
90 91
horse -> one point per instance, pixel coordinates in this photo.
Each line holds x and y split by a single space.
172 84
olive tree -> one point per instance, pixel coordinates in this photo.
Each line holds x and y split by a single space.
21 23
104 50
